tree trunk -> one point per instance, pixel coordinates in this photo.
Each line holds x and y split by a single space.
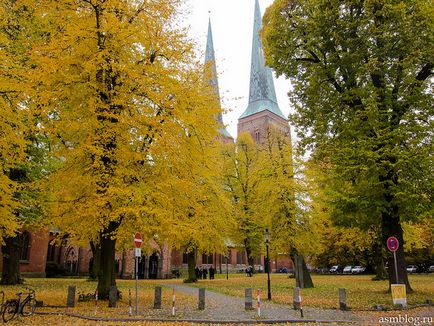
11 261
250 259
302 276
124 263
251 262
392 227
380 267
107 263
94 262
191 260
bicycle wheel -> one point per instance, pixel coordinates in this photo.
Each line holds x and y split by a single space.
28 307
9 310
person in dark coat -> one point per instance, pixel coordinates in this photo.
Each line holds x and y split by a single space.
205 273
211 273
196 272
250 271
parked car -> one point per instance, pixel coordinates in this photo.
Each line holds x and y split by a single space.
431 269
347 269
321 270
335 269
411 269
357 269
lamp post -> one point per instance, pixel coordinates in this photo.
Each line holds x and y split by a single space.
227 264
267 242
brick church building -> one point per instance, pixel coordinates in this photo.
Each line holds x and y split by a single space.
39 256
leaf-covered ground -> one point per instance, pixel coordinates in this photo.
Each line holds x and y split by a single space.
362 294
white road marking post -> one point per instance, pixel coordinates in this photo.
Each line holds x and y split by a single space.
173 302
259 303
301 305
96 300
130 304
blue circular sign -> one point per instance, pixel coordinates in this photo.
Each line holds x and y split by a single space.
392 244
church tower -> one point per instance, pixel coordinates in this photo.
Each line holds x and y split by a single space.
210 62
262 112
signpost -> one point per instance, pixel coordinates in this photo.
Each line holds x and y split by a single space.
398 290
393 245
137 253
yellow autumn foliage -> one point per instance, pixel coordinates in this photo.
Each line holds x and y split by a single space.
132 122
14 118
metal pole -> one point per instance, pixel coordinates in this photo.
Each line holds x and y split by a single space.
268 275
137 284
227 267
396 267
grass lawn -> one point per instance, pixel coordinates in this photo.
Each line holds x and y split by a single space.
362 293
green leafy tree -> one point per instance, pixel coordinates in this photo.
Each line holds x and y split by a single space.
243 181
282 198
361 72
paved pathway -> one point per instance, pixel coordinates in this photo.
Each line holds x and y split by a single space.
225 308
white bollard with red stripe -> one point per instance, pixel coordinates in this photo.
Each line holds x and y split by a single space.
173 302
259 303
130 304
301 305
96 300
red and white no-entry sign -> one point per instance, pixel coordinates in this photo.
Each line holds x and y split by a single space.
138 240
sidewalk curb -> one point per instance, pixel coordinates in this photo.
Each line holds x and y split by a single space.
199 321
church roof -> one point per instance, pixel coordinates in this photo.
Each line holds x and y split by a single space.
210 58
262 95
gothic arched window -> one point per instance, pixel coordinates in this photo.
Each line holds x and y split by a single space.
257 136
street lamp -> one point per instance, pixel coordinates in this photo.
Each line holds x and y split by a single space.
267 242
227 264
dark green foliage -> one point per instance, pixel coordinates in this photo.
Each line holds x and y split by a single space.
361 73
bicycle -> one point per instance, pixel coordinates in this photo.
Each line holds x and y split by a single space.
3 301
25 307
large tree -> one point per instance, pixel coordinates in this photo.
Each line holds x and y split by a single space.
282 198
122 95
22 145
12 140
243 181
361 73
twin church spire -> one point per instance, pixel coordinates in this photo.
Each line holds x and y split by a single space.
210 59
262 94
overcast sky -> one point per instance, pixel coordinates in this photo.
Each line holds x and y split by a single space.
232 28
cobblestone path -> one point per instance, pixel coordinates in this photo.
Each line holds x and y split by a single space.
228 308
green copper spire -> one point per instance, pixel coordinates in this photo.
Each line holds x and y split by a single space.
262 95
210 60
